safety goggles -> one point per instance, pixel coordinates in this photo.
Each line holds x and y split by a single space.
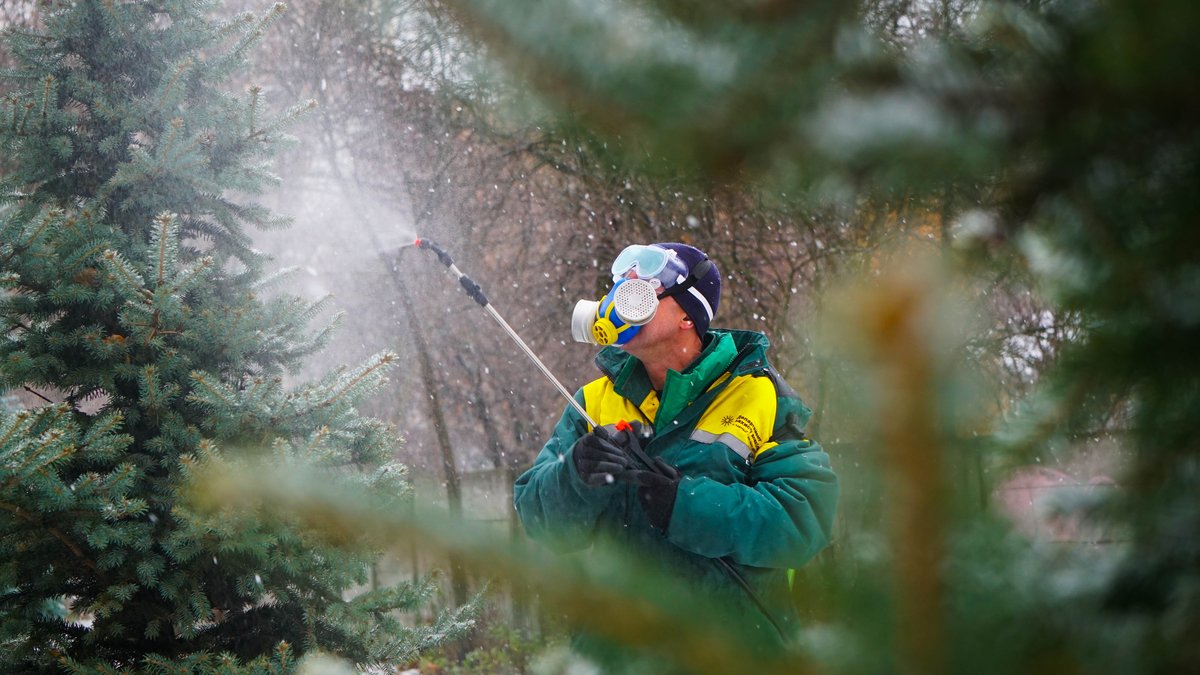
658 265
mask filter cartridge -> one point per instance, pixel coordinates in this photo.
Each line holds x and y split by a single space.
618 316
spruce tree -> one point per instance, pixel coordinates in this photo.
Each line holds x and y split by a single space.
131 293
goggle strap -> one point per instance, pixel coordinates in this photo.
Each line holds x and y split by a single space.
689 285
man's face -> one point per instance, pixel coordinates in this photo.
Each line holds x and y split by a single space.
663 327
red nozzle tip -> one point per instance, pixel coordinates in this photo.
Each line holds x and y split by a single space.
417 242
623 425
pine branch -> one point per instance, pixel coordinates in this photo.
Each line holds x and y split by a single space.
131 278
35 455
72 546
289 116
20 128
48 85
89 253
252 114
196 270
385 360
252 36
169 89
165 221
275 278
106 426
164 152
16 426
48 217
202 380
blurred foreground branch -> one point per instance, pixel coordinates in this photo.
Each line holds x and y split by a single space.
609 594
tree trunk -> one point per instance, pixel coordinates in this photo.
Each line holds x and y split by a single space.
458 574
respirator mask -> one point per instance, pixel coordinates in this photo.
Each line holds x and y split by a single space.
639 272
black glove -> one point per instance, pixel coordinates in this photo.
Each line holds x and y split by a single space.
632 438
598 458
656 491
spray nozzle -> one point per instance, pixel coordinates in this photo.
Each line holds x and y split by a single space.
438 250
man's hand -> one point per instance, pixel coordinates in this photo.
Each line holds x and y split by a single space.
632 438
656 491
598 458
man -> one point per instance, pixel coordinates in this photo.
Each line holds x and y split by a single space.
727 491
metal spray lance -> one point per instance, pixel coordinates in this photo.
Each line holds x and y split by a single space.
477 295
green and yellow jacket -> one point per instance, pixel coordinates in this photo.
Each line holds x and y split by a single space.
755 492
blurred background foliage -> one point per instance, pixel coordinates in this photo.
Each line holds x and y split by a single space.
968 227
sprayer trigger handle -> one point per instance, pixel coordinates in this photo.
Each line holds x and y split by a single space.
473 290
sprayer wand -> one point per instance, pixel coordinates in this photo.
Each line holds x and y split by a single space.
477 295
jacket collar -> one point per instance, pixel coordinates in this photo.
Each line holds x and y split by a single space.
721 347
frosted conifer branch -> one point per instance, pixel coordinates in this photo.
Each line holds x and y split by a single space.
222 394
140 165
252 35
20 128
252 113
275 278
153 394
384 360
87 254
19 422
319 339
192 273
290 115
12 101
45 442
164 152
164 240
48 216
47 89
312 311
173 84
132 281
